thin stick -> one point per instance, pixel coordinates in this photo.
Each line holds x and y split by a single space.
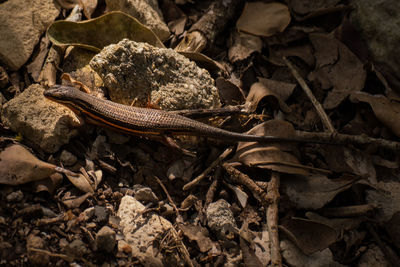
272 219
345 139
179 220
320 110
197 180
241 178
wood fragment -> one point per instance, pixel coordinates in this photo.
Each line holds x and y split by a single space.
243 179
272 219
206 29
326 121
200 177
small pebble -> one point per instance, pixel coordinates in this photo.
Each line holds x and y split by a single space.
16 196
106 239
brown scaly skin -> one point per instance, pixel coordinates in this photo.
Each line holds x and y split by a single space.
144 121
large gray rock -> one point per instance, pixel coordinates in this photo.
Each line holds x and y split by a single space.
42 121
146 11
138 71
141 231
22 22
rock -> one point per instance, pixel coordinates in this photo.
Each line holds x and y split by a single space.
144 194
36 258
15 196
101 215
42 121
220 218
106 239
22 23
67 158
145 11
378 22
141 231
139 71
87 214
76 249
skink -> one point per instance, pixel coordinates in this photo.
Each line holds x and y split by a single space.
143 121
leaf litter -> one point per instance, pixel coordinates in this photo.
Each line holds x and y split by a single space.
318 188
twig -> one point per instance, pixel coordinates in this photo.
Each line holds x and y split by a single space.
206 29
48 74
321 112
178 216
211 191
197 180
241 178
179 220
345 139
272 219
349 211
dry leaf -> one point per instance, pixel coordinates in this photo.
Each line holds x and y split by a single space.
388 112
94 34
274 156
241 196
314 191
249 257
81 183
243 46
302 51
282 89
294 257
89 6
308 235
49 185
76 202
264 19
203 61
306 7
68 4
387 197
336 67
19 166
265 91
343 159
230 93
198 234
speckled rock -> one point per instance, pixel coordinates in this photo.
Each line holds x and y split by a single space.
140 232
146 11
378 21
43 122
220 218
22 22
141 72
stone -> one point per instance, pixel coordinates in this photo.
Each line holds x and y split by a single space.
15 196
141 231
101 215
67 158
145 11
106 239
220 219
22 22
48 125
76 248
36 258
142 72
